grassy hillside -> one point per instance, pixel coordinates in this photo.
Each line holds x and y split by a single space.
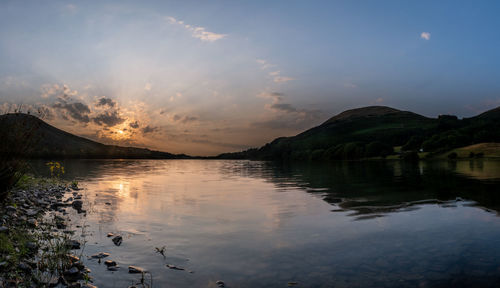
375 131
481 150
27 136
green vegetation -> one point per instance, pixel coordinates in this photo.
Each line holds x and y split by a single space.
373 132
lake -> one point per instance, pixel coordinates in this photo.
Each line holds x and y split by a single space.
264 224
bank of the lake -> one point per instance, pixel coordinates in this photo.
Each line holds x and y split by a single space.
38 241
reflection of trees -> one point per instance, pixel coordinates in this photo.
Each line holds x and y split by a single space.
372 188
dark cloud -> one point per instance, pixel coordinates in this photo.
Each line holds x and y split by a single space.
277 94
185 119
285 107
290 118
134 125
149 129
105 102
77 110
108 118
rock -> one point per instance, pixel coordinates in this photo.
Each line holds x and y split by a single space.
88 286
220 283
100 255
292 283
72 271
107 203
73 244
77 205
110 234
25 267
113 268
32 222
117 240
31 212
31 245
11 209
52 282
110 263
174 267
3 229
73 258
135 269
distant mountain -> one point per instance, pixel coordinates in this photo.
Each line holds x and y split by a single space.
29 136
375 131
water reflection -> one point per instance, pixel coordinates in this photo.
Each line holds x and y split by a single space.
264 224
371 189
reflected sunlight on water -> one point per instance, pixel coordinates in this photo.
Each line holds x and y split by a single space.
262 224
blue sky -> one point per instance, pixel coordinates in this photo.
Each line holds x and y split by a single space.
204 77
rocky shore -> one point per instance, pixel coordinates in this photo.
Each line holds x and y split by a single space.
37 243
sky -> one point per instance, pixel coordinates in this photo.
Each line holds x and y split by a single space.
206 77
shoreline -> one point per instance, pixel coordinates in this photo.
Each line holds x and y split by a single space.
37 239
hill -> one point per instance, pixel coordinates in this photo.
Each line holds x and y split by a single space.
27 136
374 132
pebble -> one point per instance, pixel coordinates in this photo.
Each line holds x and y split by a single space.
117 240
73 244
72 271
174 267
31 212
110 234
3 229
135 270
220 283
31 245
33 222
113 268
11 209
100 255
110 263
25 267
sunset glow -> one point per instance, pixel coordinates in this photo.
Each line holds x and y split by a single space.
237 75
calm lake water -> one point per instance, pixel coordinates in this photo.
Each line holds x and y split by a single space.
261 224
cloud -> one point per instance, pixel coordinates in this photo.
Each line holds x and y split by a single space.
108 118
185 119
71 8
285 107
350 85
275 96
264 64
134 125
379 100
149 129
276 75
198 32
288 116
425 35
177 96
76 110
281 79
59 91
105 102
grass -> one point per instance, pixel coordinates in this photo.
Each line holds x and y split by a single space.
488 150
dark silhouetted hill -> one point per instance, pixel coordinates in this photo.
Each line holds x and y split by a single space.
29 137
